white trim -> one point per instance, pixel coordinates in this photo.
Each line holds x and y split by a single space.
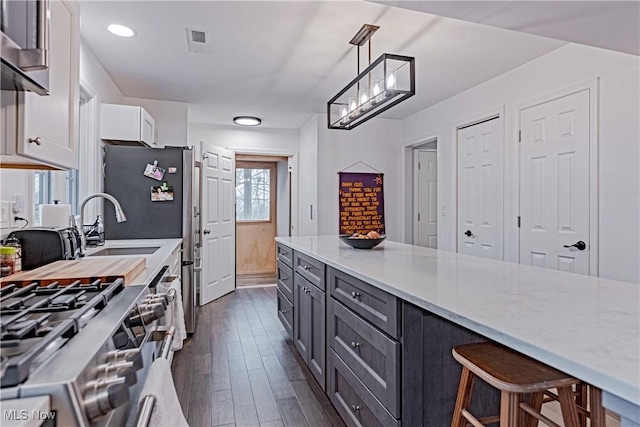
593 86
262 151
495 112
414 188
90 147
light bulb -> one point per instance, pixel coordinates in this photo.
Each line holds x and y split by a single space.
363 99
353 105
376 89
391 81
343 115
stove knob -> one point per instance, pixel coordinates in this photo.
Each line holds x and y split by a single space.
102 396
157 298
130 355
146 314
122 369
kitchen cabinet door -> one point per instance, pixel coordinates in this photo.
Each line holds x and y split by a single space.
47 130
127 123
317 337
301 318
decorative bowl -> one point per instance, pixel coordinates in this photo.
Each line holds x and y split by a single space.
361 243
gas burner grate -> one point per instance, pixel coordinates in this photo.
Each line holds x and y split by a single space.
32 318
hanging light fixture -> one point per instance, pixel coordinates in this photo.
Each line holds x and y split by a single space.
387 81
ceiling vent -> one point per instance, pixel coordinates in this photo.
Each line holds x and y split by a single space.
198 41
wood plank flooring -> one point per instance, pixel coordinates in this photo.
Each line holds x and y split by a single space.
239 370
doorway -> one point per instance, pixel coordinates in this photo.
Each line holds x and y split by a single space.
425 172
258 193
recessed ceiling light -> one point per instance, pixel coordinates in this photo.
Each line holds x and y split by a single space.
247 121
120 30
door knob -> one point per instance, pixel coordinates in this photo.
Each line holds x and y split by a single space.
579 245
206 231
468 233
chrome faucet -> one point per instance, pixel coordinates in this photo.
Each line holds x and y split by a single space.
120 216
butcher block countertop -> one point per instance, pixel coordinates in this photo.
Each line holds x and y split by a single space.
139 269
586 326
106 269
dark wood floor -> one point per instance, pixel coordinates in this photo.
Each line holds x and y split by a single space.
239 370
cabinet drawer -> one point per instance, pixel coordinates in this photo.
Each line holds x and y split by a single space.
285 280
370 354
309 268
285 254
354 402
378 307
285 313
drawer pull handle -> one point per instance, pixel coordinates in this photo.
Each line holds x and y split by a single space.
306 267
284 311
284 279
37 140
355 294
355 408
355 344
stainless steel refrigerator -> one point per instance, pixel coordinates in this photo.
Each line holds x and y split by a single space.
156 188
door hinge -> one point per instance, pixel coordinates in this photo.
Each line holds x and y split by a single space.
418 165
519 136
518 221
418 216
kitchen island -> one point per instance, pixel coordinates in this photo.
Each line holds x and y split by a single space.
585 326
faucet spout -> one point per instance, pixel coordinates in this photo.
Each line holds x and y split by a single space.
120 216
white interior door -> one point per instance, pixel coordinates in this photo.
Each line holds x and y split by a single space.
427 217
554 179
218 218
480 189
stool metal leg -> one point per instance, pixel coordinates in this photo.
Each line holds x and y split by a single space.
463 398
509 409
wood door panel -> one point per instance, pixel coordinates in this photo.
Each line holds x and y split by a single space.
256 248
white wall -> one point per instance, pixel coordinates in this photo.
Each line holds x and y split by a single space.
171 119
282 226
618 145
374 143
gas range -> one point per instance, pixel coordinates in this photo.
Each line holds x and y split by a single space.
86 348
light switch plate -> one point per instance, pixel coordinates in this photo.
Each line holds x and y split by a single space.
6 214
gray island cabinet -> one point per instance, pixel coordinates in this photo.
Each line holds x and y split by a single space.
376 327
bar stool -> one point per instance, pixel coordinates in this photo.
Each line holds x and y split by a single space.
517 376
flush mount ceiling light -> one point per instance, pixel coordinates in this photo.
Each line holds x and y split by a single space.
387 81
247 121
121 30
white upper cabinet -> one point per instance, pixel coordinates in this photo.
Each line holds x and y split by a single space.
127 123
46 134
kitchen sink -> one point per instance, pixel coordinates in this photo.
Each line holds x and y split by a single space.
146 250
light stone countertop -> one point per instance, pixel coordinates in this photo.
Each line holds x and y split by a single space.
154 261
585 326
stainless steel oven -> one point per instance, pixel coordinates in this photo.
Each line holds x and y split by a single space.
24 45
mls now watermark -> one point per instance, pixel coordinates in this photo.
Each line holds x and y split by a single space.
23 415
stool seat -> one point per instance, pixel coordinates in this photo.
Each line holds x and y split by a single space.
507 370
523 384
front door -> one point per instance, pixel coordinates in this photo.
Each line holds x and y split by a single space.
218 218
554 176
480 189
256 218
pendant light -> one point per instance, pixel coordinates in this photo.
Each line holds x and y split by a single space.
387 81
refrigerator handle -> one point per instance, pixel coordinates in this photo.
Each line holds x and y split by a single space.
198 165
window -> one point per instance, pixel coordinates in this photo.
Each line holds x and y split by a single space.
50 186
253 193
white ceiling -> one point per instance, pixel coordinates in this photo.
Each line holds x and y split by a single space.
282 61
